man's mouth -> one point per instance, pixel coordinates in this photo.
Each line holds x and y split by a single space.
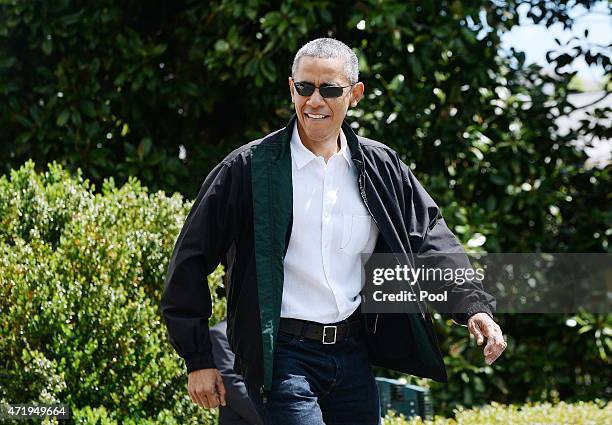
316 116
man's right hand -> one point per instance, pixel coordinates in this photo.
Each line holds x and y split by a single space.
206 388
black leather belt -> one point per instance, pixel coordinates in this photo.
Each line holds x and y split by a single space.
324 333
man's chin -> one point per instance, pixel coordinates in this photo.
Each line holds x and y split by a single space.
320 135
318 132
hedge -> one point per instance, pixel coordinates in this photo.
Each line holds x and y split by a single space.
81 276
581 413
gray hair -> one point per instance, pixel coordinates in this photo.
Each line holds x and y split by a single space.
329 48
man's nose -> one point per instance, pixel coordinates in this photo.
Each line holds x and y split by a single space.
315 99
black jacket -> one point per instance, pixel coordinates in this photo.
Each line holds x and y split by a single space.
243 212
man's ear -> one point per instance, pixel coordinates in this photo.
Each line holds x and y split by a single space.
291 89
357 93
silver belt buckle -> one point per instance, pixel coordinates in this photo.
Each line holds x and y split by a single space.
325 328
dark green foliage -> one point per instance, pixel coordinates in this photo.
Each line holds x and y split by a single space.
117 90
546 360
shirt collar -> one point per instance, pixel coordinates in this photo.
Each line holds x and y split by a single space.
302 155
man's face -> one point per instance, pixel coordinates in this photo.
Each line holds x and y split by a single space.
322 72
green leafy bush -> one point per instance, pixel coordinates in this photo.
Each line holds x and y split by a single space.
581 413
81 276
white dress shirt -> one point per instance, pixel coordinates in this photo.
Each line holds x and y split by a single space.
331 229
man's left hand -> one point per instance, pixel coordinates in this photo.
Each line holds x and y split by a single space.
481 325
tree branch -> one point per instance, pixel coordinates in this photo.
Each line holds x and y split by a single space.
592 103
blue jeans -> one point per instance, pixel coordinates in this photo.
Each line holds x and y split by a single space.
316 384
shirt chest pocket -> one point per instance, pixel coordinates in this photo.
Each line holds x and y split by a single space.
355 233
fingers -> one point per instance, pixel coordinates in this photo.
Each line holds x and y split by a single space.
495 344
473 327
198 397
221 390
204 388
214 395
481 326
212 399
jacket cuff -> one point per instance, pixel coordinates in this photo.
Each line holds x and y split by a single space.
477 307
199 361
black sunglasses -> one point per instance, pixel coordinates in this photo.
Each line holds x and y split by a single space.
326 91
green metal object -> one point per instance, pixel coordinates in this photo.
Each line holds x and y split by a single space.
409 400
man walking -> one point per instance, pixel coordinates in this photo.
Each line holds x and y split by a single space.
292 214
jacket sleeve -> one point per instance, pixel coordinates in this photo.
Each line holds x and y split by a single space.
436 246
236 394
206 235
